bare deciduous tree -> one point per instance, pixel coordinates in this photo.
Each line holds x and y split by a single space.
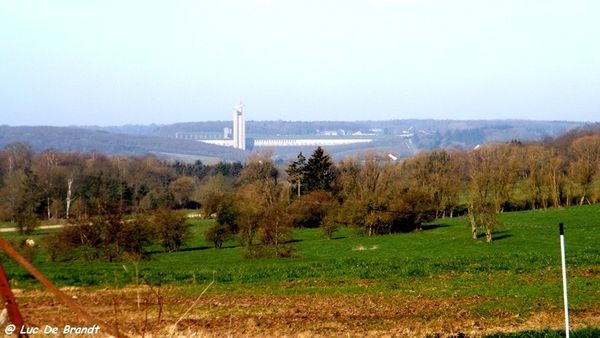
586 164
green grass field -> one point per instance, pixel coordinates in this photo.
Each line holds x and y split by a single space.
527 245
519 272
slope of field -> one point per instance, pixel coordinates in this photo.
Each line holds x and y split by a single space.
436 281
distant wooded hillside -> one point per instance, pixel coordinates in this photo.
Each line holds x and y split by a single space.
525 129
400 137
84 140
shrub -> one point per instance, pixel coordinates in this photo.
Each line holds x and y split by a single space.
170 230
106 235
262 251
27 222
218 234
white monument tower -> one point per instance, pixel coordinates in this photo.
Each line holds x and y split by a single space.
239 127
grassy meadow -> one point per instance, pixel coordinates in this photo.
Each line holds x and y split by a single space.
518 274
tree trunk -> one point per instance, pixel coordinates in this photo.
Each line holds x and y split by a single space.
488 236
69 187
48 202
473 224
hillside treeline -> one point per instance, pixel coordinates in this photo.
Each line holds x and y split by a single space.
259 202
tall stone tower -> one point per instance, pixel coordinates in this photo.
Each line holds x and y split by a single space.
239 127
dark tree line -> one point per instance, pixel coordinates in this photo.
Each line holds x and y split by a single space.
54 184
111 235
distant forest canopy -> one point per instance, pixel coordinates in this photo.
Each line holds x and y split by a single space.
403 138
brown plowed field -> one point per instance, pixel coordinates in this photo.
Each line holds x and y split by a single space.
141 313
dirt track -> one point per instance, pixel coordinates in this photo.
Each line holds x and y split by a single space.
43 227
284 316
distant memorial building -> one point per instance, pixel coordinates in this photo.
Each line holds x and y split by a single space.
236 137
239 127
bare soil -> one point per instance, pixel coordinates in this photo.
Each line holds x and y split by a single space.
146 312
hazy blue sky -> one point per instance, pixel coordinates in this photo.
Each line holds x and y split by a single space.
140 62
